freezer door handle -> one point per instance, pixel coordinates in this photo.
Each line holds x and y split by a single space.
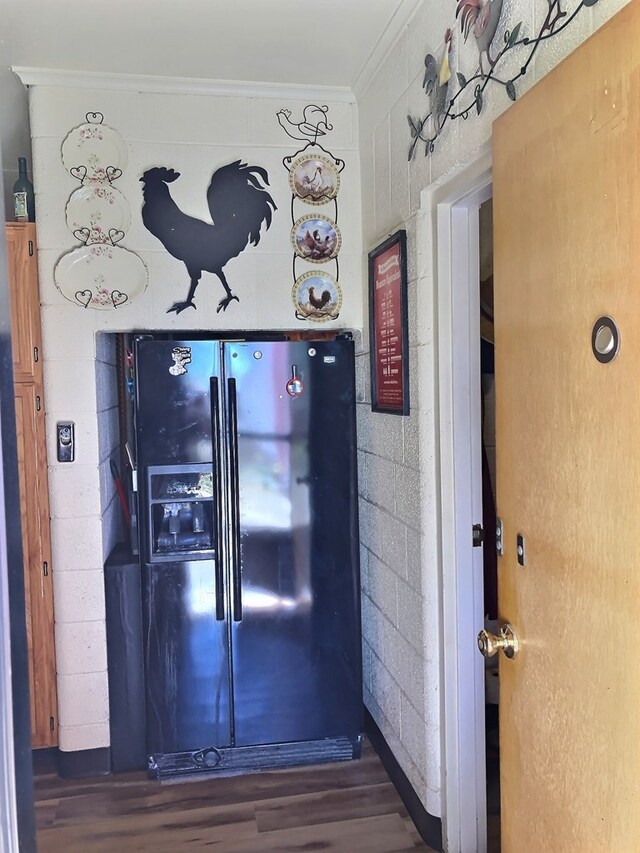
234 492
217 456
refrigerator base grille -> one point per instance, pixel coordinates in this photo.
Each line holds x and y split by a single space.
253 758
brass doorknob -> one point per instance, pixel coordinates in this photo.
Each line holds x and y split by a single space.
490 644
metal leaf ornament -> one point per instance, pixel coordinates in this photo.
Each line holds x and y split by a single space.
482 19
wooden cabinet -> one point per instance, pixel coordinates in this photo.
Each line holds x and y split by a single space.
25 302
32 468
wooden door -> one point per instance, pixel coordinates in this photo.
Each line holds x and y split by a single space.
567 251
34 512
25 304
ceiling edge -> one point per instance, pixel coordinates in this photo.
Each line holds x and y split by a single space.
387 40
179 85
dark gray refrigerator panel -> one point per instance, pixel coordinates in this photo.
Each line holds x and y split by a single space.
173 405
179 453
294 547
186 660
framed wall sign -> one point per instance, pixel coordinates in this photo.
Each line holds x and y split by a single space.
388 329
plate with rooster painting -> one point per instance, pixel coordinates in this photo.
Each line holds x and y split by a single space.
317 297
100 276
316 238
313 179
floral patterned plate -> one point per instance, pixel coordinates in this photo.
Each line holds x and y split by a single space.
100 276
97 210
94 151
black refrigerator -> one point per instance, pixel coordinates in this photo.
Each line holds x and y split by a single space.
246 455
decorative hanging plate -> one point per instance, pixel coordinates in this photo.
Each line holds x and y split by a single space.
317 297
94 151
314 179
100 276
99 212
316 238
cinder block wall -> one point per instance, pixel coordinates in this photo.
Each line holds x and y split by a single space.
108 440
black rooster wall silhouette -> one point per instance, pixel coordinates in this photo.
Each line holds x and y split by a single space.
238 204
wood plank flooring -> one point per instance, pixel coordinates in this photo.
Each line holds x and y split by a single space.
349 807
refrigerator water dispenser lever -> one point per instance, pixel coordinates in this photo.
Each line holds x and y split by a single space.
295 386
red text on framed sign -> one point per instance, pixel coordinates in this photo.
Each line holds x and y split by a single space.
388 326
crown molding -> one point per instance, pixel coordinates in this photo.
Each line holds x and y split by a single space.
179 85
384 45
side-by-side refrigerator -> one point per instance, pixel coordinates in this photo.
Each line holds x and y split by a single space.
249 550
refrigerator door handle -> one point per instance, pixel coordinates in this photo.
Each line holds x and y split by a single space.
234 491
217 461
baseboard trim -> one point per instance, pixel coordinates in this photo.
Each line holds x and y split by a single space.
44 760
429 827
84 763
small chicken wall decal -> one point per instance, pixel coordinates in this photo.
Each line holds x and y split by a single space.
239 205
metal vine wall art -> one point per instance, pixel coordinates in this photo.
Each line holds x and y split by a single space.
480 18
314 178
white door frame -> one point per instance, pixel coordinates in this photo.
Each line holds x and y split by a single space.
454 208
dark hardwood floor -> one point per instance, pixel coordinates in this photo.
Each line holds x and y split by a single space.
349 807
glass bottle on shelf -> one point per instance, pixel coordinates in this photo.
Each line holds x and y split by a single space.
23 196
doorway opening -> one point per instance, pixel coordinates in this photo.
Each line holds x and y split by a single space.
489 519
453 210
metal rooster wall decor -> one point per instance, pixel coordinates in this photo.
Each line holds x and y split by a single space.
239 205
436 83
482 19
312 125
314 178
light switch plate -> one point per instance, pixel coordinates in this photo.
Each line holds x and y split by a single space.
65 441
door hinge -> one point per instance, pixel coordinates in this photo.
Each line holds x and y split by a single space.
36 354
499 537
30 248
478 535
52 724
45 569
37 403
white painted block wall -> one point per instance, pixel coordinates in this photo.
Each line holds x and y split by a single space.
194 134
398 468
14 131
